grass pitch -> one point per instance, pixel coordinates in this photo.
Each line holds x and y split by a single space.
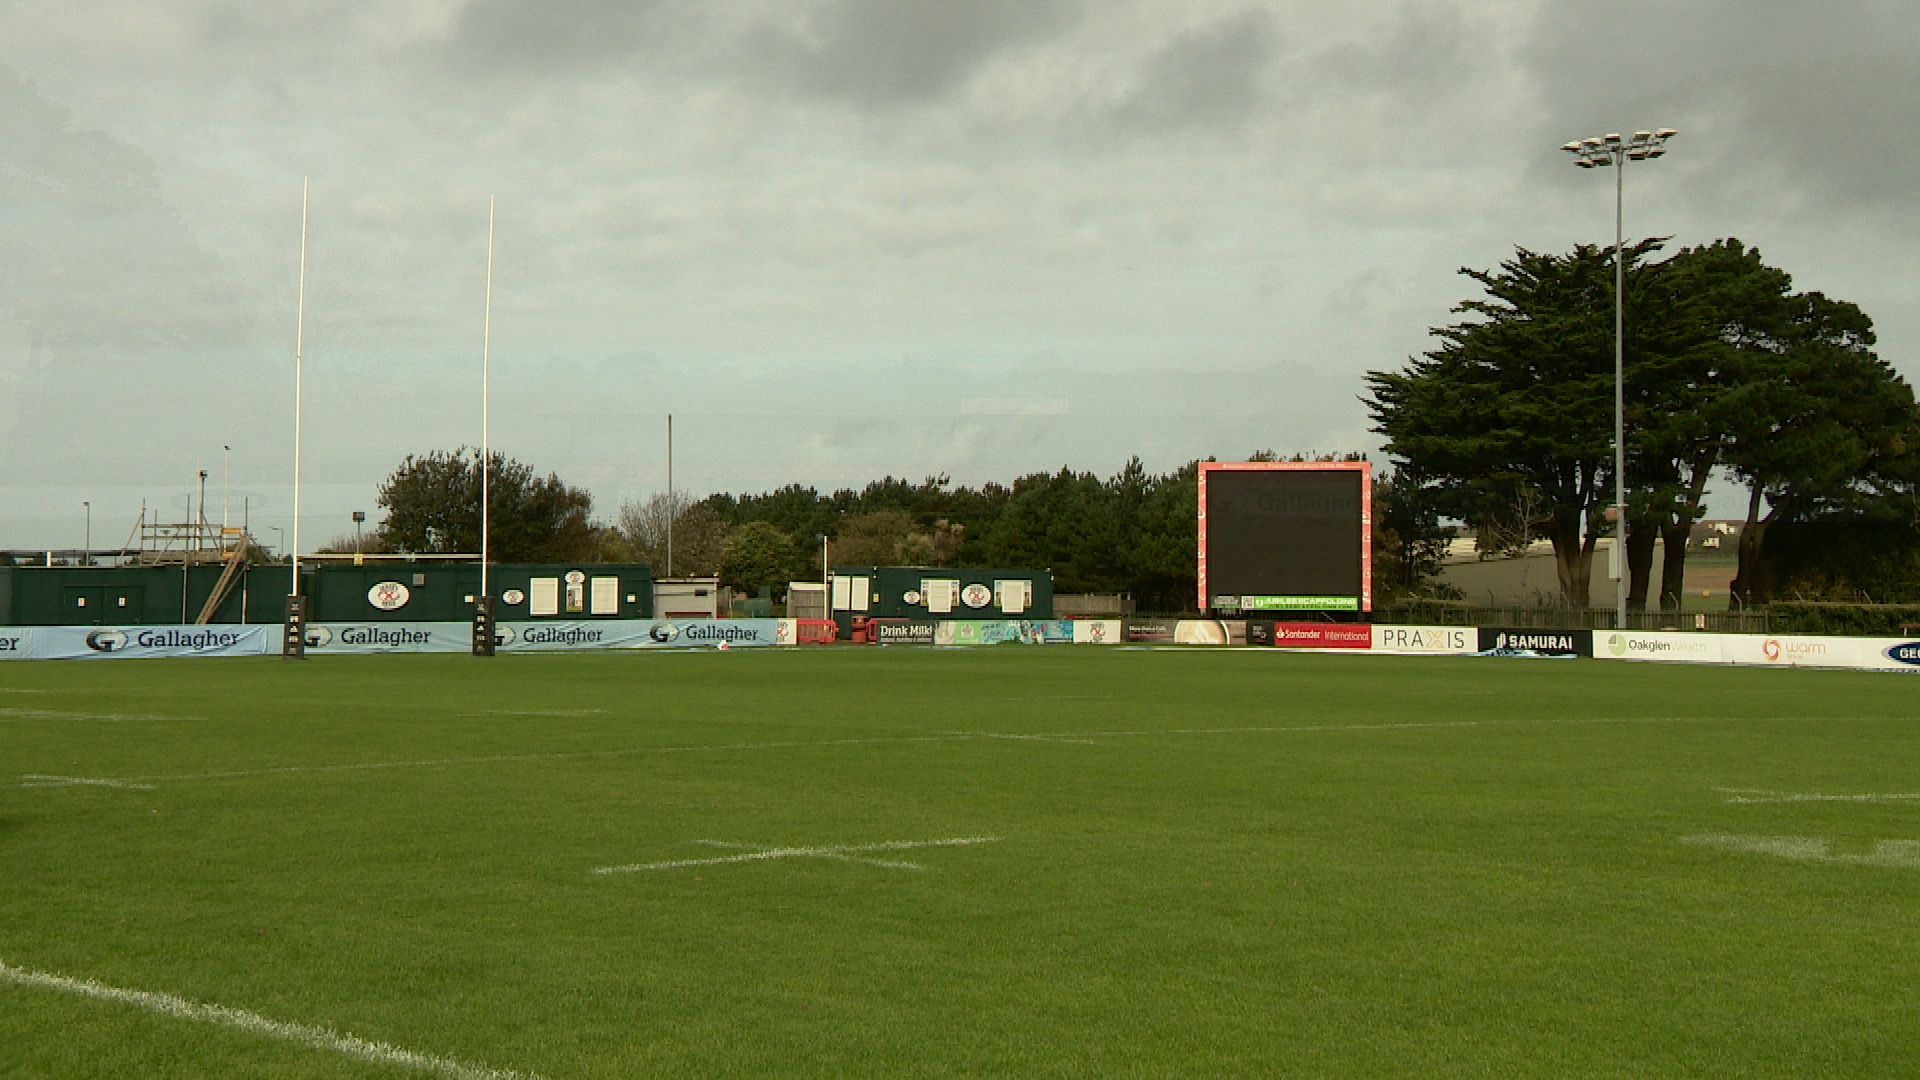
1203 863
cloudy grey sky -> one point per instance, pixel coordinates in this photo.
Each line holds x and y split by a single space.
845 238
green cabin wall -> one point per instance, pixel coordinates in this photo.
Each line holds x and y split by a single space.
168 595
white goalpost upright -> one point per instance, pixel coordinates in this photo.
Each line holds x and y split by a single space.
293 637
299 347
483 609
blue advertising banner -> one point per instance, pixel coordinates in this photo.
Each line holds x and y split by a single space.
326 639
135 642
644 634
548 635
1001 631
323 639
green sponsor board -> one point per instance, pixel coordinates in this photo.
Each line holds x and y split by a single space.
1300 603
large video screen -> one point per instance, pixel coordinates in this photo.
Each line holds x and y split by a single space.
1285 536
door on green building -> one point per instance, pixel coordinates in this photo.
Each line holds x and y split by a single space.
83 605
125 604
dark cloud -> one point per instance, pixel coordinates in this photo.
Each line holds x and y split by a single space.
885 52
553 36
1811 104
1423 53
869 52
1207 77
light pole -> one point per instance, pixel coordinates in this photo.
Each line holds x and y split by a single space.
673 506
1612 150
280 538
358 517
86 554
226 487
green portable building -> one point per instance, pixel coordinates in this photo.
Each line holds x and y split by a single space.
138 595
916 592
383 591
444 592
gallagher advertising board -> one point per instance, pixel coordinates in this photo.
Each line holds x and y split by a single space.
131 642
1279 536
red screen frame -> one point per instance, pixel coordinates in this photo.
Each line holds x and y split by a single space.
1364 468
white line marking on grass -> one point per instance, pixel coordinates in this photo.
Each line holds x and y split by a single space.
1056 697
11 690
98 718
1755 795
41 780
1902 853
1029 738
881 740
537 712
839 852
377 1053
574 755
839 856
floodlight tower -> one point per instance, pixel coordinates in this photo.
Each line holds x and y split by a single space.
1612 150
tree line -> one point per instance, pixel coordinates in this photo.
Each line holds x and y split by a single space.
1133 532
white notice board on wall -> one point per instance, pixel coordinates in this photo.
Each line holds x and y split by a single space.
543 596
939 594
604 599
1013 597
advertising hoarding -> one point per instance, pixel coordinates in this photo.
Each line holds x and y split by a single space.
1527 641
1426 640
1291 635
1672 646
136 642
1002 631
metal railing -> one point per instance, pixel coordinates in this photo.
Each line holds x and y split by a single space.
1591 618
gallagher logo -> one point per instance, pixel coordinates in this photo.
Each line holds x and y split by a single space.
107 640
663 632
1908 653
318 637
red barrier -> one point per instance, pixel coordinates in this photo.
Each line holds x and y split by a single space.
814 631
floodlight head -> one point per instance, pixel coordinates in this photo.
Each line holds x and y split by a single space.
1586 163
1613 138
1572 147
1656 150
1642 136
1638 153
1590 143
1666 133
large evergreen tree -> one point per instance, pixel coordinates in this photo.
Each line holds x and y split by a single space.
1514 408
1725 366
